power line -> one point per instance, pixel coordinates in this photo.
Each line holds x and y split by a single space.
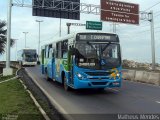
50 37
156 12
157 15
152 6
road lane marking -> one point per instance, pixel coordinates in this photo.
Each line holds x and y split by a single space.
147 84
113 89
158 102
52 100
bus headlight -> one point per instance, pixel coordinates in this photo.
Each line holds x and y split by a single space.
115 75
118 75
80 76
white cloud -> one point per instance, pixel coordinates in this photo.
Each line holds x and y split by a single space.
135 40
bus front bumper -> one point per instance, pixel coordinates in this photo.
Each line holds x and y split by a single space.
29 63
80 84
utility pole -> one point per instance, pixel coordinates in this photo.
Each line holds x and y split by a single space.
152 39
60 27
39 41
8 70
25 33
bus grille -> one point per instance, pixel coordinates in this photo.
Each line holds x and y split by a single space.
98 73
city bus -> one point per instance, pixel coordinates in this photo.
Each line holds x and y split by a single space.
27 56
83 60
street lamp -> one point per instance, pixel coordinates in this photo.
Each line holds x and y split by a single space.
25 37
39 21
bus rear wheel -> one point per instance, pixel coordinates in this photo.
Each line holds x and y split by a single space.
47 78
46 75
66 87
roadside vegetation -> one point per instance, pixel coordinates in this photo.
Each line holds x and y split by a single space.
15 102
3 78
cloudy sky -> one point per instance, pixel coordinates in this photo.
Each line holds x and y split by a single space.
135 39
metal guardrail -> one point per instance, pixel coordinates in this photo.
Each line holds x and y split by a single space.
14 64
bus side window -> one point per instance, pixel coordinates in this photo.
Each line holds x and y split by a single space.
50 51
58 50
46 51
64 48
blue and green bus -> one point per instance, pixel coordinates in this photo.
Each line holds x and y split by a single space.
83 60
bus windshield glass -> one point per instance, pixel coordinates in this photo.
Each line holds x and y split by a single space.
30 55
97 55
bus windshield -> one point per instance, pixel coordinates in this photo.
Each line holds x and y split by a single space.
97 55
30 55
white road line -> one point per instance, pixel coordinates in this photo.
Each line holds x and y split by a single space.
152 85
158 102
113 89
52 100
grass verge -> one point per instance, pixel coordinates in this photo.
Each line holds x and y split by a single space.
16 103
2 78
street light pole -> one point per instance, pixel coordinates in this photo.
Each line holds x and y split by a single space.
25 33
39 21
8 70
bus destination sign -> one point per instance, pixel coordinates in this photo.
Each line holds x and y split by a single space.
98 37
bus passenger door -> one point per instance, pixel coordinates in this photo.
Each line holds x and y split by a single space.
51 64
42 61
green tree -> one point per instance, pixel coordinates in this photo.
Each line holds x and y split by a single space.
3 39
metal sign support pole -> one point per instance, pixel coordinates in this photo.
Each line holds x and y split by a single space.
8 70
152 40
60 27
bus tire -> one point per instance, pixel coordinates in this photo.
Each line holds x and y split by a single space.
66 87
47 78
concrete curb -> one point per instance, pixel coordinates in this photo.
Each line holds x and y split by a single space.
9 80
35 102
32 97
60 109
142 76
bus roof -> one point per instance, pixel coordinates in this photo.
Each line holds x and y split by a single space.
27 49
72 35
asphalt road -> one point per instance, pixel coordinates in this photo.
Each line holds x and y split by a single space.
132 98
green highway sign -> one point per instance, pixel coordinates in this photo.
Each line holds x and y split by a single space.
93 25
